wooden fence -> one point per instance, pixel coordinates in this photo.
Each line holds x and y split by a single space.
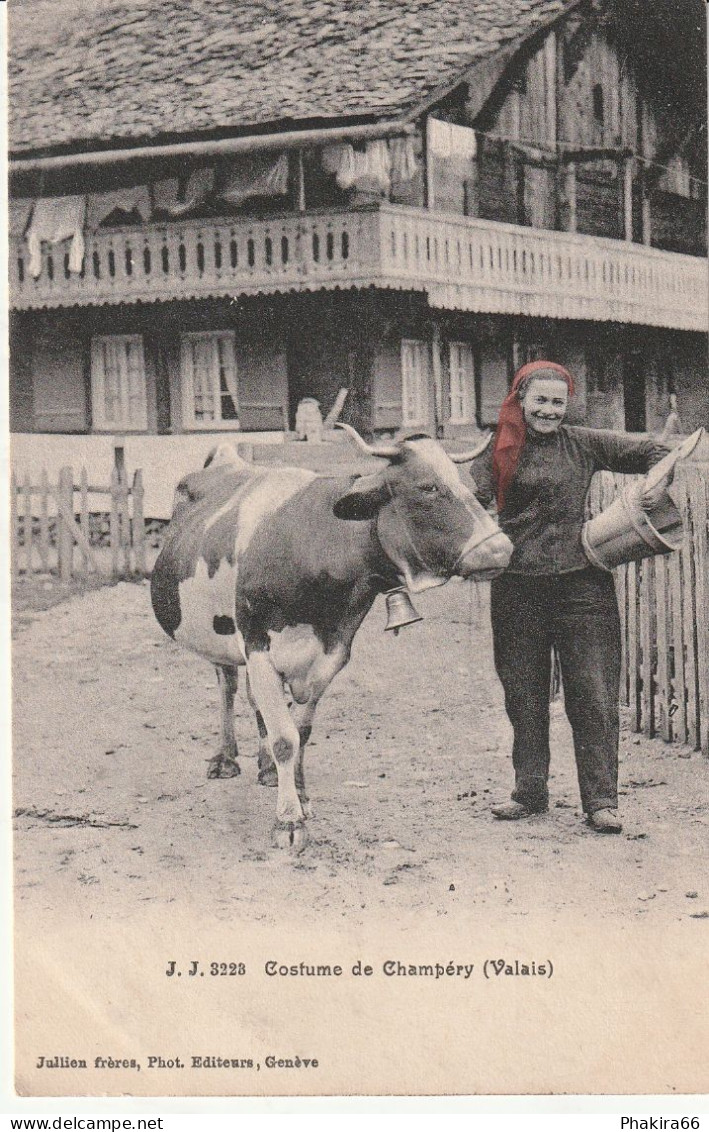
664 610
49 533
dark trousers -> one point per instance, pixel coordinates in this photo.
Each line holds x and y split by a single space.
578 613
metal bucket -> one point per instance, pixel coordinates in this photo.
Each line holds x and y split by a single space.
626 532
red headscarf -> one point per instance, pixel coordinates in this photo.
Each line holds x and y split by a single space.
512 430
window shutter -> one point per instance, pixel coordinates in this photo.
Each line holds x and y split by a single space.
462 382
414 380
263 386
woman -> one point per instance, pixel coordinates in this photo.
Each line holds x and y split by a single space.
539 471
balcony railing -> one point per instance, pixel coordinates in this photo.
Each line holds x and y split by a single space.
461 263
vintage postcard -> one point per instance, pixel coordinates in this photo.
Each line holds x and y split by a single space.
360 606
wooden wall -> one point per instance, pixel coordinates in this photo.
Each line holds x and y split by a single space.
529 110
50 364
598 100
575 89
307 347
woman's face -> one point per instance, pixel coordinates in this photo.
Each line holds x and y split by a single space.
544 403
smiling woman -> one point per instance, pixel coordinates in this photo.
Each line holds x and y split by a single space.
539 472
544 402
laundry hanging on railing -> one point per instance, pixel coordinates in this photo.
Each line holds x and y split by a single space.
99 206
168 198
258 175
404 165
359 168
448 140
55 219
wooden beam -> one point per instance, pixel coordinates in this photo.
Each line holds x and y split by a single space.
595 153
301 182
224 147
437 368
429 195
628 170
471 189
570 197
645 205
550 79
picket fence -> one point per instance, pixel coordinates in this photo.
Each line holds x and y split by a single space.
49 533
664 612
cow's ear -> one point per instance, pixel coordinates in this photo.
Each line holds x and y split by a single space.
363 499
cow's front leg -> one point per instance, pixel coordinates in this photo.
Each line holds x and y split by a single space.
284 740
224 764
303 716
267 773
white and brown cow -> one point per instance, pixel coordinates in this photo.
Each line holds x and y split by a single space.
276 568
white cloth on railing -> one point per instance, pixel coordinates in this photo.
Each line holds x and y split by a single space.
352 167
448 140
404 165
167 197
133 199
256 175
55 219
19 215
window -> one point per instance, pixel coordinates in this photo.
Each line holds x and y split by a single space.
208 365
414 381
118 382
462 382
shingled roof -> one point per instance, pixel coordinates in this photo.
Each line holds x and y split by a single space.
87 73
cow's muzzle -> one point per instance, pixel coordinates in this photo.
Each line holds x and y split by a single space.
484 557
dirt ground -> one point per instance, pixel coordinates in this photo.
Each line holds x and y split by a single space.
114 724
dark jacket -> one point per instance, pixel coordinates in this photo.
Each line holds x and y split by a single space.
544 506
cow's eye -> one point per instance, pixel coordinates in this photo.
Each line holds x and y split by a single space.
429 488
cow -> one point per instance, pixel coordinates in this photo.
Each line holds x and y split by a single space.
274 570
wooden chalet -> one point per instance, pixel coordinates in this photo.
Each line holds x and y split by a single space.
219 207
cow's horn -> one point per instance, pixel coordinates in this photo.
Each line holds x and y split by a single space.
386 453
466 457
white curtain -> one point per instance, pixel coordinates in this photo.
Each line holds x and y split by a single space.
353 166
260 175
166 194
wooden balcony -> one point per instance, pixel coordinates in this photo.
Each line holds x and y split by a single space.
460 262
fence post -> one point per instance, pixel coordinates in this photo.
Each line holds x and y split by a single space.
65 516
124 521
114 521
647 696
27 523
699 497
14 530
44 520
84 516
687 564
139 524
663 704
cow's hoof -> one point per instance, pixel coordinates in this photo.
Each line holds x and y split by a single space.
290 835
268 776
221 767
